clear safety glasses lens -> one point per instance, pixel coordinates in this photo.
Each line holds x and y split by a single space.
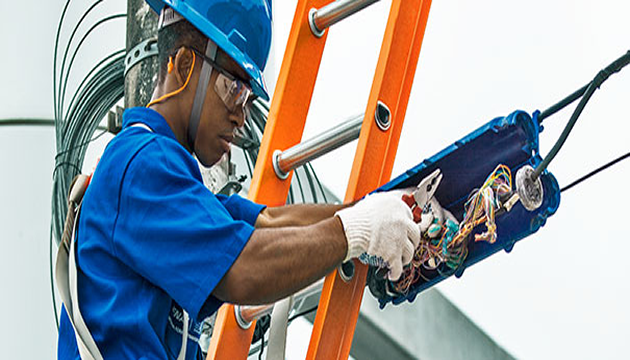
234 93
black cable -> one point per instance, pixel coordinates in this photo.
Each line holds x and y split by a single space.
249 166
262 338
52 281
299 181
34 122
94 98
262 346
27 122
74 31
291 198
82 144
62 94
321 187
310 183
601 76
562 103
599 169
87 77
64 163
303 313
63 15
614 67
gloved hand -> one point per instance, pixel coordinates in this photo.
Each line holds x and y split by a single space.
380 230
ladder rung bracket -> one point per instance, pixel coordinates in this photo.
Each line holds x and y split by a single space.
339 304
321 19
285 125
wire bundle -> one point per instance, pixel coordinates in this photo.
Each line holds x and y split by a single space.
100 89
444 246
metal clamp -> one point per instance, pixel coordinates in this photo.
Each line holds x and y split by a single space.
143 50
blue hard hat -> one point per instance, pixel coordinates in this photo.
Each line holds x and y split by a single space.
241 28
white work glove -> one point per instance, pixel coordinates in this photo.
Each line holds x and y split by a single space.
380 231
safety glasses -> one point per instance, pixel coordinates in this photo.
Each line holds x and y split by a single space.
235 93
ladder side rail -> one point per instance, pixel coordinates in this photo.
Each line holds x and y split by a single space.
340 302
285 125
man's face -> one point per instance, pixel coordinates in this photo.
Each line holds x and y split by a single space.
217 123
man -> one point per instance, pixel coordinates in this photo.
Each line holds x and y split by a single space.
155 247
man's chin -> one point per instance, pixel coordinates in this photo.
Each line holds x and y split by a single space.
210 161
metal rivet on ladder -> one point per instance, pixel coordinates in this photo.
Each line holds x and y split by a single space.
244 324
276 166
346 271
311 22
382 115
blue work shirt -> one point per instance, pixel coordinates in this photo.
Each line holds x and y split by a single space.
152 239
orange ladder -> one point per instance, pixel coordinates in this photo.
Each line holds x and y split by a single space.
340 301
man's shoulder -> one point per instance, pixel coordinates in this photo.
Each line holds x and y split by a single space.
136 144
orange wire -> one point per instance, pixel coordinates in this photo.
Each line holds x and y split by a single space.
164 97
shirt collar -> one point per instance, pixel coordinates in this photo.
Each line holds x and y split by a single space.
149 117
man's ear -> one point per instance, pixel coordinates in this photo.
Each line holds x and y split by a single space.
182 64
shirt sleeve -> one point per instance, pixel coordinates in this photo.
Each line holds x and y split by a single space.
172 230
241 208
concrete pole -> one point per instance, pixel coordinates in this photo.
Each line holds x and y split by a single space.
140 79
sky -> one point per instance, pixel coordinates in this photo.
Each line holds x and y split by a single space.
561 293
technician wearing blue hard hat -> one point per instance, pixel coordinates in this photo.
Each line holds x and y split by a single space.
157 252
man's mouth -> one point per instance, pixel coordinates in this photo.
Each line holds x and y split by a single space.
227 140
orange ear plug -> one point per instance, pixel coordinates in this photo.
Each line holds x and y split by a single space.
170 65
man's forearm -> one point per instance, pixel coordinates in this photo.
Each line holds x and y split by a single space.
297 215
277 262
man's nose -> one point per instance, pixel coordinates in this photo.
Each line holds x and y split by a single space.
237 117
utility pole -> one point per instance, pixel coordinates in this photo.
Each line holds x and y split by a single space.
140 78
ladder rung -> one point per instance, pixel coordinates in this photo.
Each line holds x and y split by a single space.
300 154
321 19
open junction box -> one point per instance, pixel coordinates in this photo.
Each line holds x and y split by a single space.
512 141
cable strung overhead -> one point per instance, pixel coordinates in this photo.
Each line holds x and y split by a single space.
585 92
